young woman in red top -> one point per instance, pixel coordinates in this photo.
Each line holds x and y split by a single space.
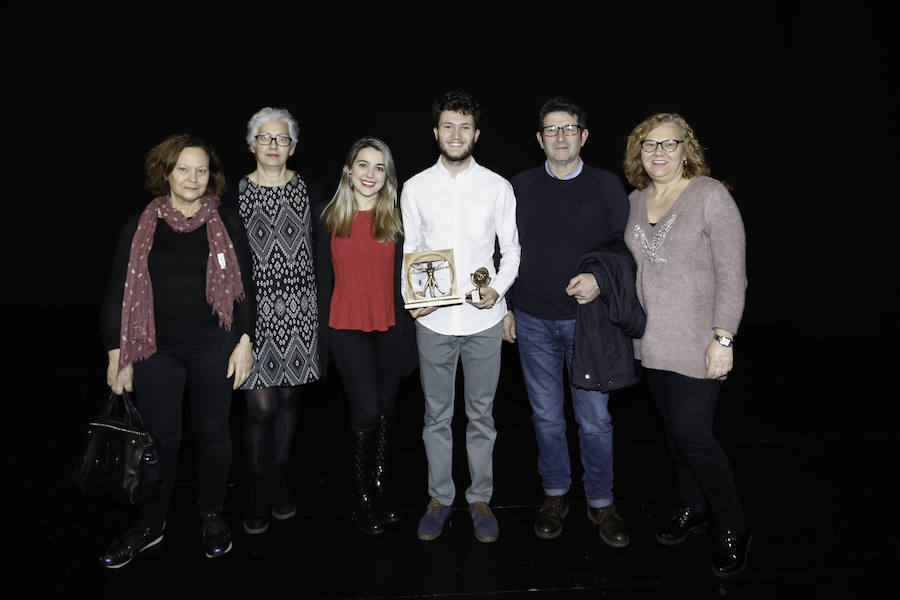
369 333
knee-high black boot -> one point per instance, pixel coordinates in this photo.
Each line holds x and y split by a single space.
361 454
385 507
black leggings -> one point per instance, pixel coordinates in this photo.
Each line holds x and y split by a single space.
269 431
370 375
703 472
159 385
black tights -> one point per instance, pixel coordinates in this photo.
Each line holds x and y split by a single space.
271 421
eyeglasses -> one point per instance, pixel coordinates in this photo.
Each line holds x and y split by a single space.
553 130
667 145
264 139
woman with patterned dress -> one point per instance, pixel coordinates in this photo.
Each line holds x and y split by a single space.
368 333
687 237
274 203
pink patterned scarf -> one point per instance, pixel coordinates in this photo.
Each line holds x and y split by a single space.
223 275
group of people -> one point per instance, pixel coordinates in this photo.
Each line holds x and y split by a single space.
262 285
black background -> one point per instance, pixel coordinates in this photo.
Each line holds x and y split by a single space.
794 104
788 101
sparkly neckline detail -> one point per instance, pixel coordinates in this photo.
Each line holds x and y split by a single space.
651 246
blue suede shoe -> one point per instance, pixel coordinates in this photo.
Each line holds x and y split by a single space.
484 522
432 522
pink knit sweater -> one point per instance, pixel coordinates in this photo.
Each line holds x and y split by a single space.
691 274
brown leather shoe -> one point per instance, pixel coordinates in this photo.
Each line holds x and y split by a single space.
612 528
549 521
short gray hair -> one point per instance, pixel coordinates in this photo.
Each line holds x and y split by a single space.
264 115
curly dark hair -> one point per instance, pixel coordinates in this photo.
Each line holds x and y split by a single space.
457 101
161 160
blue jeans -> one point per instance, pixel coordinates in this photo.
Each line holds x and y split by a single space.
543 346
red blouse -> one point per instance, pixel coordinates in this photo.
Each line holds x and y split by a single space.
363 296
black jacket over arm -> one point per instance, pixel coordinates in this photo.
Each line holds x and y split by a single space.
603 355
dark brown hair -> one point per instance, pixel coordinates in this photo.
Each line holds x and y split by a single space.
457 101
161 160
561 104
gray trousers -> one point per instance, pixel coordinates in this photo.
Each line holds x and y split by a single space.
438 358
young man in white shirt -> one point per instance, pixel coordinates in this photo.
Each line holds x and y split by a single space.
460 205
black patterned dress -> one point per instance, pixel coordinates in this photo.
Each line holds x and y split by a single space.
279 230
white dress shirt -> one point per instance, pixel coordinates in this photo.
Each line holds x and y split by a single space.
466 213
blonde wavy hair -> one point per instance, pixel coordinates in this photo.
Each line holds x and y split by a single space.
338 214
695 162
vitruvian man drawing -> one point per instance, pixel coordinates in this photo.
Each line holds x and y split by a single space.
430 278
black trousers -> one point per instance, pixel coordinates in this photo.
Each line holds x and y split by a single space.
370 375
160 383
703 472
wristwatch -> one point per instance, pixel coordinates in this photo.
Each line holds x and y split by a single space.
724 340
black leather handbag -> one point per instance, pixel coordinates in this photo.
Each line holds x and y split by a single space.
120 461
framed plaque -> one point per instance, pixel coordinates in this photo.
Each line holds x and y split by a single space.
431 279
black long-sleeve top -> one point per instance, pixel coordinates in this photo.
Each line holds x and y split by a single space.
177 264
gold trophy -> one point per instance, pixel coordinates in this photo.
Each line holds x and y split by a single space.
480 278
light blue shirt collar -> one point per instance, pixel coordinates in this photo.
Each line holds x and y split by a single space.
571 175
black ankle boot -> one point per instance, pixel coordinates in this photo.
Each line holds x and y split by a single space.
256 517
284 506
384 441
731 553
683 522
361 454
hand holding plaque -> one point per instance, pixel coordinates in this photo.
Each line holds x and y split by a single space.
430 279
480 278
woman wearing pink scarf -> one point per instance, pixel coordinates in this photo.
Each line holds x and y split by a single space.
177 317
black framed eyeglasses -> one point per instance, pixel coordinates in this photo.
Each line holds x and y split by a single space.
667 145
264 139
553 130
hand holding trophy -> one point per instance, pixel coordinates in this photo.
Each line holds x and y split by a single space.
480 278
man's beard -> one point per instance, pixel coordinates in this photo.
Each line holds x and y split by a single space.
466 153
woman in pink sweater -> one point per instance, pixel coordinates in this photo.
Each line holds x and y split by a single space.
687 237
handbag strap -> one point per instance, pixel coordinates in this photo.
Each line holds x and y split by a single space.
122 408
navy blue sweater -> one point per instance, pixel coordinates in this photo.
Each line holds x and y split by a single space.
559 221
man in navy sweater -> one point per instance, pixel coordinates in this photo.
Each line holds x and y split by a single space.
565 208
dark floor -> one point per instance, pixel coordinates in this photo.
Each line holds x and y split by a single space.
810 429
